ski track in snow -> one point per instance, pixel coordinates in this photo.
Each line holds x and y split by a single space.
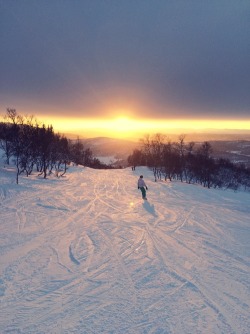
85 254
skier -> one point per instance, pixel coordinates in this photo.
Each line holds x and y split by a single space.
142 186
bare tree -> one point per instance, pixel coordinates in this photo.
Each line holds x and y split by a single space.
136 159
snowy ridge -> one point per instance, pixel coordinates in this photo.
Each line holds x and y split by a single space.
85 254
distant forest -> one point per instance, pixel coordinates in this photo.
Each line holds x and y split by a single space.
188 163
34 147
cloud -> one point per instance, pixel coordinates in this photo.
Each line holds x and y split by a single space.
160 58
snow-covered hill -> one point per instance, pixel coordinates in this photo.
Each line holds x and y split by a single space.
85 254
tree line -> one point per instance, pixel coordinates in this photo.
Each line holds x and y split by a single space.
34 147
186 162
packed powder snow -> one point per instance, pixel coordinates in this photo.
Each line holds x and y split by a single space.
85 254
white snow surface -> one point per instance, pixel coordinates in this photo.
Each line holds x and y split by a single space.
85 254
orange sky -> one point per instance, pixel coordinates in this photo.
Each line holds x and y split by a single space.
127 127
123 68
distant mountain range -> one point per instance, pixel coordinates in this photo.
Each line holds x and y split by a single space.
117 149
104 146
233 147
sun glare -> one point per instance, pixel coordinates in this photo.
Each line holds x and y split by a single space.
126 127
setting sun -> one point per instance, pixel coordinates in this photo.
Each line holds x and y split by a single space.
134 128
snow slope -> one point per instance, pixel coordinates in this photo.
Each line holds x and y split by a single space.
85 254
